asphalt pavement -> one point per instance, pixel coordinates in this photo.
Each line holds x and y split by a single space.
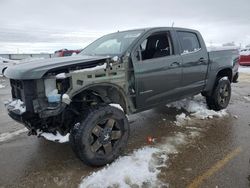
218 157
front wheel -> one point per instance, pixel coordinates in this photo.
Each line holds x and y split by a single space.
221 95
100 138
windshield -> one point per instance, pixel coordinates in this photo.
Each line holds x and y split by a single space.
112 44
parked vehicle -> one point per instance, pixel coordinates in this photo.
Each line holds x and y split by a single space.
65 52
245 57
89 95
5 63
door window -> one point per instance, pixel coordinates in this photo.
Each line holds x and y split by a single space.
155 46
189 42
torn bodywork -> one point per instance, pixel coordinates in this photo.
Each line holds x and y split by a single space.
61 96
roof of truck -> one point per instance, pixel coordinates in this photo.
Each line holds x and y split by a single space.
157 28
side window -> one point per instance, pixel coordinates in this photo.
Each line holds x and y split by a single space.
189 42
155 46
143 45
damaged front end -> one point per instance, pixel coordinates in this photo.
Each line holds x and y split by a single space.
55 102
39 104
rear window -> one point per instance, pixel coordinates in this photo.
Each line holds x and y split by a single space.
189 42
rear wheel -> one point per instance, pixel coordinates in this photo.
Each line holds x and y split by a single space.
221 95
101 136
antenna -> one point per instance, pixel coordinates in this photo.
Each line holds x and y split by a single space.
172 24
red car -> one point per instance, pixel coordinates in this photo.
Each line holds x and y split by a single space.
245 57
65 52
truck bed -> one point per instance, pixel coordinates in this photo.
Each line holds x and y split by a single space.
220 57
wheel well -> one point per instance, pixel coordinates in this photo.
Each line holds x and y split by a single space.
226 72
102 94
4 70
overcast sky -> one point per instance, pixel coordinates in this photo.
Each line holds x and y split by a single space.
32 26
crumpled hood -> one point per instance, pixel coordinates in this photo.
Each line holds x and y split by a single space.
36 69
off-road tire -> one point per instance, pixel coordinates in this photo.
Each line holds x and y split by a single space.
84 135
221 95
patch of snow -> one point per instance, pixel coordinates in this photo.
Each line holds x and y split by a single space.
221 48
61 76
98 67
247 98
245 53
136 169
139 169
66 99
235 117
2 86
17 105
181 118
193 134
116 106
197 108
56 138
192 51
115 58
5 60
224 78
65 96
194 128
244 70
7 136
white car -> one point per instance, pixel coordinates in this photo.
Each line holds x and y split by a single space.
5 63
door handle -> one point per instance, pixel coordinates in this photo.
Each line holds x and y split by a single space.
175 64
202 61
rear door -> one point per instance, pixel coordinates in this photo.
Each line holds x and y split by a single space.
157 69
194 61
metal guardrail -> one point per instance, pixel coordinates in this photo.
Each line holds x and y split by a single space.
24 56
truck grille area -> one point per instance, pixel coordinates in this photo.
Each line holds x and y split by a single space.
25 90
16 89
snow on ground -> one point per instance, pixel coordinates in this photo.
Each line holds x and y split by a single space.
196 107
2 86
136 169
244 69
56 138
7 136
247 98
181 119
139 169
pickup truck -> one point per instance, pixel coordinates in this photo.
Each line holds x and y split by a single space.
65 52
245 57
89 96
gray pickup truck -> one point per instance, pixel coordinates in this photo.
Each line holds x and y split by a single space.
89 95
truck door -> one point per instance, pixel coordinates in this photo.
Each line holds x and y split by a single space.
195 61
157 69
